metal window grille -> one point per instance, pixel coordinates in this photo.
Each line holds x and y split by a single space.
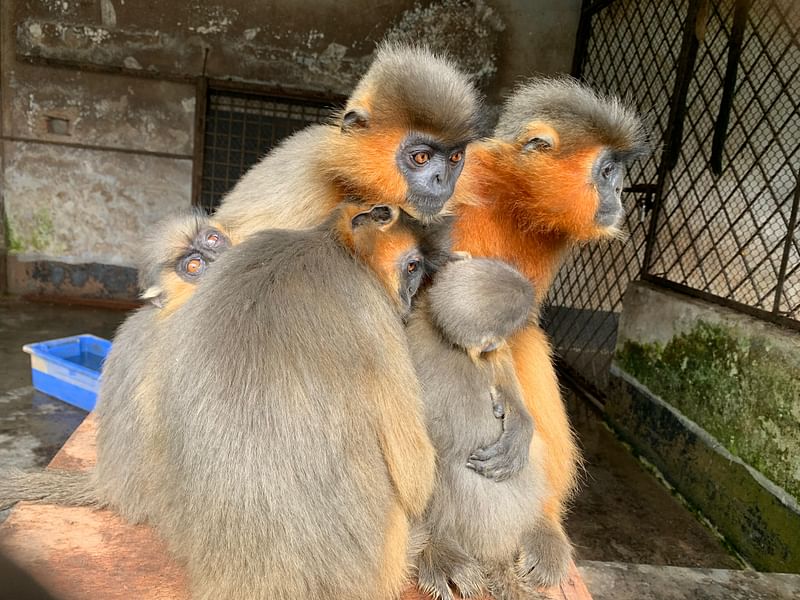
240 129
714 211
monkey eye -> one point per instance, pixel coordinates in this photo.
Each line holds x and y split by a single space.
538 144
213 238
412 266
194 266
421 157
456 157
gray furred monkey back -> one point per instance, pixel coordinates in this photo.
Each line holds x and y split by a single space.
289 374
485 531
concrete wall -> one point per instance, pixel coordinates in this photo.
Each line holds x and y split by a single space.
98 102
734 382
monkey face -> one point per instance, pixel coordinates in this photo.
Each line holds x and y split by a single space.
608 176
430 169
411 269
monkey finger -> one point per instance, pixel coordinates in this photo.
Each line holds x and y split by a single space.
494 469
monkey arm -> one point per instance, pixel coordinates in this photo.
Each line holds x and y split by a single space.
509 454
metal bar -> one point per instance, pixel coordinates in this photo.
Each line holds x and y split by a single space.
694 27
786 248
741 11
582 39
726 302
200 105
674 132
596 6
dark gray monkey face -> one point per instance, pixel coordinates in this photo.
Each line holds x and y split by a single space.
608 176
206 247
430 169
412 272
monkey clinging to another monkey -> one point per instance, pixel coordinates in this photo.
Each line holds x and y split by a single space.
301 452
484 519
176 256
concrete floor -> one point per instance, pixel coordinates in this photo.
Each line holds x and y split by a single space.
622 514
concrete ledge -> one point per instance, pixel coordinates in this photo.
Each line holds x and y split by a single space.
84 554
760 519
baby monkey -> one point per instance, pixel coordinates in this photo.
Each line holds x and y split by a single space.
484 519
177 256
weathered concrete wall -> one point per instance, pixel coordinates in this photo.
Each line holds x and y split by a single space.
306 44
695 385
98 101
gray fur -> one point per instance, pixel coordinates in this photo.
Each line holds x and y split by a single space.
420 90
274 485
576 112
480 300
170 238
477 524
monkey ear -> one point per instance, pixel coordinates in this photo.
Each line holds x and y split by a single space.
355 119
382 215
539 137
154 295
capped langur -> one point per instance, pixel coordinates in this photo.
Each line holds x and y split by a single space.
173 259
486 528
176 256
551 177
290 465
301 452
400 140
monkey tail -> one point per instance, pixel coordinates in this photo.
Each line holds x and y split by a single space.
505 583
46 486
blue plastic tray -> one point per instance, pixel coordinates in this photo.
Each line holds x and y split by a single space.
69 368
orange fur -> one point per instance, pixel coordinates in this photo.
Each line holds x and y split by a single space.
529 209
395 563
175 292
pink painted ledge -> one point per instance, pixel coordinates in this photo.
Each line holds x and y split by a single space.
86 554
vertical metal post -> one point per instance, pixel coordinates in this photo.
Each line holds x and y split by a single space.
693 30
582 39
776 307
201 101
729 83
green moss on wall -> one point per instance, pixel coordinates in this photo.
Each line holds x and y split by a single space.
742 390
36 237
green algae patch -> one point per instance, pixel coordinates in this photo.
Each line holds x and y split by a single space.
742 390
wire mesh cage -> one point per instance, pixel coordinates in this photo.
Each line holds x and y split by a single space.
713 212
241 128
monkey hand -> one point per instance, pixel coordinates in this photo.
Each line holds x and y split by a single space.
509 454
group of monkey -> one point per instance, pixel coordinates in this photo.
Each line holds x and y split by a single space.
339 376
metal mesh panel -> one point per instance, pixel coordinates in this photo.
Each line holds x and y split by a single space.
586 297
730 236
726 234
240 129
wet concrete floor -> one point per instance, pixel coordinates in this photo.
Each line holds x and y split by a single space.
621 514
33 426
